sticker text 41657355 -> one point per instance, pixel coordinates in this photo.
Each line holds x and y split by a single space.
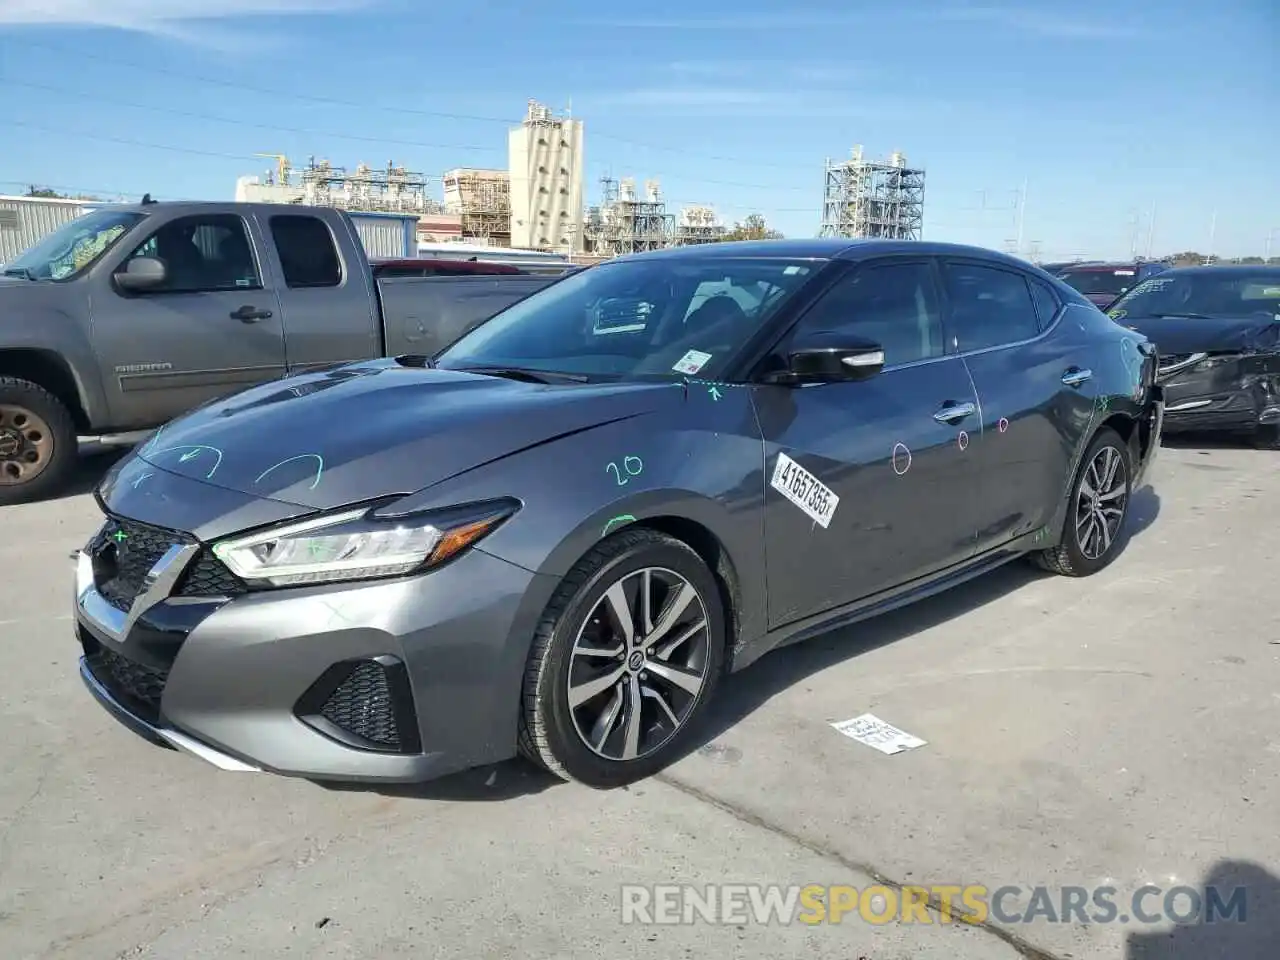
806 491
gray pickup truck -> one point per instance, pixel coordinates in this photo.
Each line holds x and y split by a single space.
124 318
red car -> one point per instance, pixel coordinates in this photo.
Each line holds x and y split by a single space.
1104 283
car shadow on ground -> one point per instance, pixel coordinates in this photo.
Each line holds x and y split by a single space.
1225 934
745 692
92 467
1206 441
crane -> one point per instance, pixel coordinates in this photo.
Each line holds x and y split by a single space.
282 165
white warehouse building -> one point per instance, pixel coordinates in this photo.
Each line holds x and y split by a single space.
545 159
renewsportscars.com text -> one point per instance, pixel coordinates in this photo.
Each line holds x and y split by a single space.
673 904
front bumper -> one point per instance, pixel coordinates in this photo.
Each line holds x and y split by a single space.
1236 396
397 681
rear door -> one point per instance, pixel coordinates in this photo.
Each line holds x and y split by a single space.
211 329
326 294
894 449
1034 387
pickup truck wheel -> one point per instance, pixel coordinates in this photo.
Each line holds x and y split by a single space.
37 441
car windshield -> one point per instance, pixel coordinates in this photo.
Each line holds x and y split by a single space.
1206 294
73 247
1108 281
642 318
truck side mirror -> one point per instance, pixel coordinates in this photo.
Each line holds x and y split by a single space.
142 273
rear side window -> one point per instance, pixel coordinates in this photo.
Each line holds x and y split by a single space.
1046 301
306 250
989 307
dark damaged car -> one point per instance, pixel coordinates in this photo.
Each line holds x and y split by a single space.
1218 333
560 535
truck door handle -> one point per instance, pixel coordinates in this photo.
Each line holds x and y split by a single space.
1075 376
954 412
250 314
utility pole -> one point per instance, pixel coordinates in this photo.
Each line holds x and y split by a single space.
1151 229
1135 218
1266 247
1022 215
1213 235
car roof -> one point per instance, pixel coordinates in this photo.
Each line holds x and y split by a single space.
834 248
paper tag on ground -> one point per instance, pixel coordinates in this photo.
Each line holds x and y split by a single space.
874 732
806 491
691 362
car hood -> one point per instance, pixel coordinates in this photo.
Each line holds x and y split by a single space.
1173 335
363 431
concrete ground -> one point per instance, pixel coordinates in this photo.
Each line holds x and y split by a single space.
1118 731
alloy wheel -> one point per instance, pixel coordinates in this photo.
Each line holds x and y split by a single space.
26 445
1101 504
639 664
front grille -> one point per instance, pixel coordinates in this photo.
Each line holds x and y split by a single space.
1171 363
362 706
209 577
137 687
123 553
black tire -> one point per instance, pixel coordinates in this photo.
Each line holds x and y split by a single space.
549 730
1267 437
59 459
1070 558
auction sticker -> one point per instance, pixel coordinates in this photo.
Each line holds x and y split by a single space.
691 362
806 491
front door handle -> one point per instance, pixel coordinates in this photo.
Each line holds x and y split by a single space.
250 314
955 412
1075 376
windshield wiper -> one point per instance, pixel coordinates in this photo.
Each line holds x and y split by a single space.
526 374
22 272
1180 316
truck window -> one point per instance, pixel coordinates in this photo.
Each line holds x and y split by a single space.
203 253
306 250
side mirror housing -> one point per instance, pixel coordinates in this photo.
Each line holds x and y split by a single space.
831 358
142 273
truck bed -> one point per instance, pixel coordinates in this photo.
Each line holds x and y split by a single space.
424 315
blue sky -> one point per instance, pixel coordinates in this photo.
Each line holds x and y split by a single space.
1105 110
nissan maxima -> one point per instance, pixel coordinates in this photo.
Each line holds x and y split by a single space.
559 536
1217 329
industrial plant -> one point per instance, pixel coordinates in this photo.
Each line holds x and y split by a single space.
872 198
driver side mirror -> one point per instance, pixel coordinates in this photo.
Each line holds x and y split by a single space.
831 358
142 273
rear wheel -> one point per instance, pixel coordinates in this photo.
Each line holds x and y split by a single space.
1093 531
624 661
37 441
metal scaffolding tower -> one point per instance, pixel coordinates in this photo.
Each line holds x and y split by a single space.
873 198
390 190
624 223
482 199
699 224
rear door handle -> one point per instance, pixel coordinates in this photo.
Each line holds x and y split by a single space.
250 314
1075 376
955 412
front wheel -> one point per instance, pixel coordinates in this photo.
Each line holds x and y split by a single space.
1267 437
624 660
1093 531
38 448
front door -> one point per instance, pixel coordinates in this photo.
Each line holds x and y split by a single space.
870 484
212 328
1035 393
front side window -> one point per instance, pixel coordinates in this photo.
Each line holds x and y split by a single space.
644 318
73 247
989 307
205 253
894 305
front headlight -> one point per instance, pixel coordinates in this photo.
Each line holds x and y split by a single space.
358 545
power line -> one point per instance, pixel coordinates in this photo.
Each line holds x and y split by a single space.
362 105
63 91
127 142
